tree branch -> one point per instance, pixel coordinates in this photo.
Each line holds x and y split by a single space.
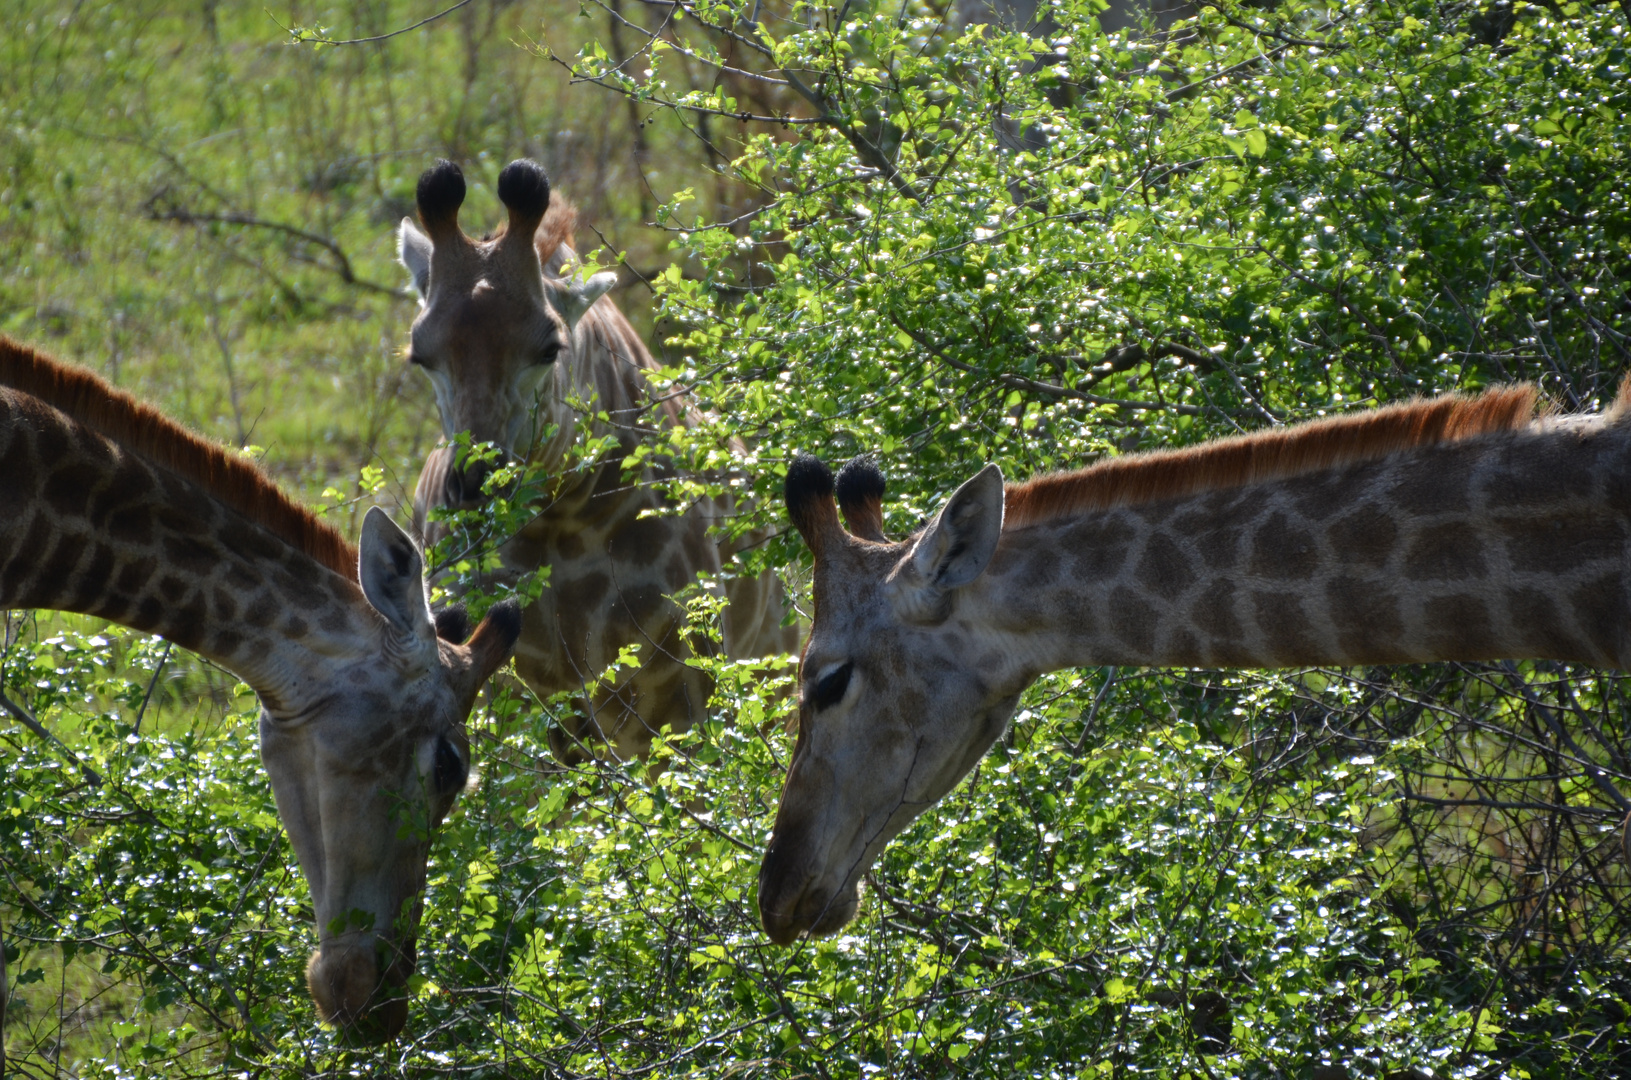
1034 386
25 718
302 36
180 215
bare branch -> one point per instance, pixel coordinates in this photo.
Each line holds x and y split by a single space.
301 36
342 262
1034 386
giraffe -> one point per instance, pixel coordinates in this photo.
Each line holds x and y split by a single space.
109 509
1450 529
513 351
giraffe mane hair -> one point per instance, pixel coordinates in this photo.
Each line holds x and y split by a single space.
232 478
1278 453
559 224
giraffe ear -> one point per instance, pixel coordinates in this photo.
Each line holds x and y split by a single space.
960 541
572 302
413 249
494 640
392 575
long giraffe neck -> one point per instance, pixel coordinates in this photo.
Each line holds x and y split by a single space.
87 526
1510 545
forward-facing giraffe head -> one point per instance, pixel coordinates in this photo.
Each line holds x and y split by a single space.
491 325
112 510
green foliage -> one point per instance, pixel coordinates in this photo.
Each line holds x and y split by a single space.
1089 246
1159 900
967 245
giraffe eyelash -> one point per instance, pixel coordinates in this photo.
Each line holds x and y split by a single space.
830 688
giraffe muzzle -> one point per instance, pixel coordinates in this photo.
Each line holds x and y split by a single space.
350 992
462 488
793 903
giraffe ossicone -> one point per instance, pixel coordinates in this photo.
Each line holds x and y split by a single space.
112 510
1451 529
527 355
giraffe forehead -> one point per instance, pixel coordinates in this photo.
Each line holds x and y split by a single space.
852 576
403 695
488 328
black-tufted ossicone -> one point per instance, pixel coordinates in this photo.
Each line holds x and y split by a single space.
453 624
524 189
505 619
440 194
808 479
490 646
860 496
808 493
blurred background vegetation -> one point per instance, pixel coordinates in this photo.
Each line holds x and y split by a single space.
205 213
909 229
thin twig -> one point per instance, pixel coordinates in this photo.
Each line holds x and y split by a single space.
25 718
342 262
1598 777
141 712
1020 382
307 38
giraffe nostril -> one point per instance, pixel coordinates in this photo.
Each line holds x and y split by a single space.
475 475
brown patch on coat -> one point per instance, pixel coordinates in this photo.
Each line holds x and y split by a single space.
1450 552
1461 627
1535 614
1134 621
1164 568
1366 617
1214 611
1281 551
1285 627
1365 537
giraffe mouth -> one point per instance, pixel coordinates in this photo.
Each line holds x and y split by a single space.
463 488
817 912
366 1006
809 907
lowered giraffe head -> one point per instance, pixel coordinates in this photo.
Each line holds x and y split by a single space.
491 326
366 772
1452 529
115 511
897 700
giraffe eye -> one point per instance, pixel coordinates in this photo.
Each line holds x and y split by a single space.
829 691
451 772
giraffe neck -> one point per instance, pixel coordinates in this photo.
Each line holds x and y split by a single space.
87 526
608 367
1511 545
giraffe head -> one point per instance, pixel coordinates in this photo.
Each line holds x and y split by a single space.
367 769
899 696
491 327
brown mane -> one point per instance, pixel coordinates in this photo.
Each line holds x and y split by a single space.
560 222
1267 455
231 478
